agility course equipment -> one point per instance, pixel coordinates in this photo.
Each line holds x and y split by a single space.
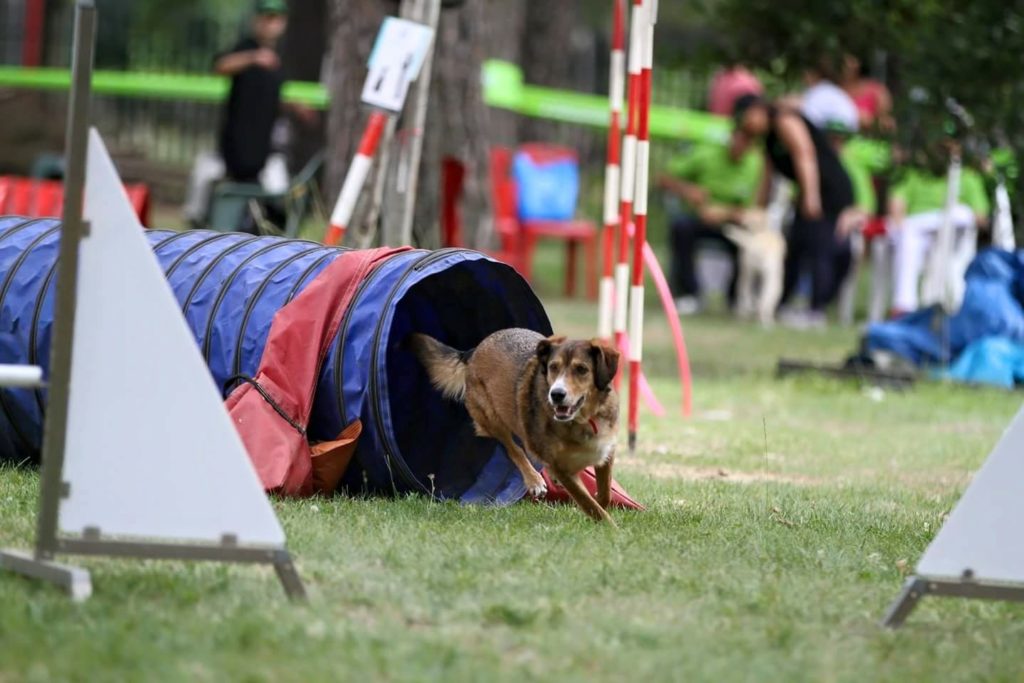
977 553
613 171
229 287
163 478
628 176
647 17
628 185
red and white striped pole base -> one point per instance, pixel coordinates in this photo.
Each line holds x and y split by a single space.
355 178
643 151
628 187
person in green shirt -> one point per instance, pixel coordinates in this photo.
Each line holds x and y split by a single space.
916 212
715 183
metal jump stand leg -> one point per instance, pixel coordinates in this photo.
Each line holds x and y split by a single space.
917 587
40 564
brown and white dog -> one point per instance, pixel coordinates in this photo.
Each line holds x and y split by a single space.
554 394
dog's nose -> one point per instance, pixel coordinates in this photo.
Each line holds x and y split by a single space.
557 395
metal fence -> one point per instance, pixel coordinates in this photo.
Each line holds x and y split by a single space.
158 140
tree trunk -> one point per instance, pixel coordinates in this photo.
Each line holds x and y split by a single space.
458 125
457 120
505 41
354 25
546 54
302 57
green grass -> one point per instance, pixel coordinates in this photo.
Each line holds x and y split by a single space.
782 518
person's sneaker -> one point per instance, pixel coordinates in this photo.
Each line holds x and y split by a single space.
803 320
687 305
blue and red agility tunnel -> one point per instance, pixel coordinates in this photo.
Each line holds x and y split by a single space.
230 286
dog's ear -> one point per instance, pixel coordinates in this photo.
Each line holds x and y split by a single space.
606 363
545 347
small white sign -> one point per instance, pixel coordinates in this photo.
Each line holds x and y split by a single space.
395 62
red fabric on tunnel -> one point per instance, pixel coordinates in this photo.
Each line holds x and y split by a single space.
297 344
556 494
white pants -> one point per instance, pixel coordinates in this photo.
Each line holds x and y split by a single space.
209 168
912 241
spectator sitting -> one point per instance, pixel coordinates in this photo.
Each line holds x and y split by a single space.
916 212
716 183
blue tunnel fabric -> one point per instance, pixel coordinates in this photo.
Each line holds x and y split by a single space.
230 285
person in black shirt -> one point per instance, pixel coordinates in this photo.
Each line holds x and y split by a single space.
254 102
801 152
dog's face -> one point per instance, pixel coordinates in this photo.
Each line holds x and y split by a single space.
575 371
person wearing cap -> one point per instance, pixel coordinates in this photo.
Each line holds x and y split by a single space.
715 183
254 102
803 153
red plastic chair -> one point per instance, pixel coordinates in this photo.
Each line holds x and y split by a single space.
453 176
521 237
45 198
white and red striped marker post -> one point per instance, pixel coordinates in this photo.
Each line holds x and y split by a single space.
636 36
645 35
612 174
355 178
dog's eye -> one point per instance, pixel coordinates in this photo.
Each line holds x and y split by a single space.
553 367
581 370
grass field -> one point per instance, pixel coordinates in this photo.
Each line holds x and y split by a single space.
782 518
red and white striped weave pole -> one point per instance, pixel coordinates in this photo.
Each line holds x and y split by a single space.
612 173
643 156
628 188
355 178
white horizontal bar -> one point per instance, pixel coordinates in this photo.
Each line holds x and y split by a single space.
21 376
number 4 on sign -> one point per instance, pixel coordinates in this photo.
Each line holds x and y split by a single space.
395 62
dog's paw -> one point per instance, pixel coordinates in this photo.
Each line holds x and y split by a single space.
537 489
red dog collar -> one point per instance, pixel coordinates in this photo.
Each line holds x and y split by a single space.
593 424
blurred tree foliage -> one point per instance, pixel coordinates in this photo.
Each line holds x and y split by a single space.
931 50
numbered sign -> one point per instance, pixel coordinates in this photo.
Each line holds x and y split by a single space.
395 62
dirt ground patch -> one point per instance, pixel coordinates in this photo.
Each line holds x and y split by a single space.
661 470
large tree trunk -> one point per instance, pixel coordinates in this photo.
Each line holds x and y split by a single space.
302 56
546 54
458 125
504 41
354 25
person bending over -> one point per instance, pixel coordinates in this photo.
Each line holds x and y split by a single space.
801 152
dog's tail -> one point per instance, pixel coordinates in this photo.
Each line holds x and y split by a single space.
445 366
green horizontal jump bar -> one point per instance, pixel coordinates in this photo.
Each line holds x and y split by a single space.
195 87
503 88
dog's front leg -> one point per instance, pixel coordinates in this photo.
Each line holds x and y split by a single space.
604 481
535 485
571 483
